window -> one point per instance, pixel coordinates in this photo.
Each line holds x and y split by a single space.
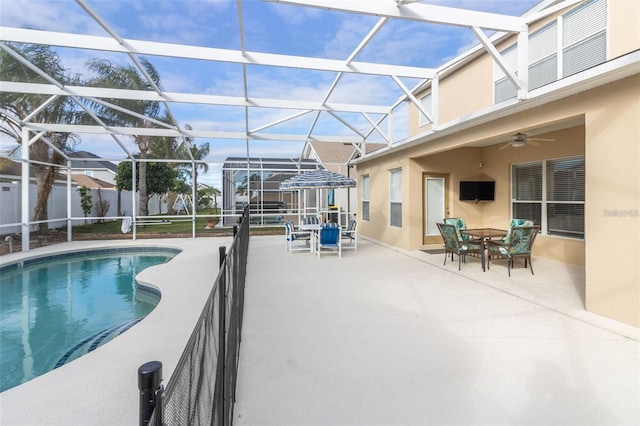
395 197
88 173
551 193
425 102
572 43
365 197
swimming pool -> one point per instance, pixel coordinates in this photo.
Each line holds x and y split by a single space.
58 308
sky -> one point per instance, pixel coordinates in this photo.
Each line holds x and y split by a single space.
269 28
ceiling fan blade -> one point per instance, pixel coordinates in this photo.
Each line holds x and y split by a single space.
533 142
506 145
541 140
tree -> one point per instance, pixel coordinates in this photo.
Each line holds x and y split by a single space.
113 75
101 207
160 177
16 107
215 192
86 201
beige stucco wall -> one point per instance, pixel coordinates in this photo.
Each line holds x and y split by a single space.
610 140
623 32
613 183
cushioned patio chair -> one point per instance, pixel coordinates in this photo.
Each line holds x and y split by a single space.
514 223
455 246
293 235
519 243
328 240
460 225
350 234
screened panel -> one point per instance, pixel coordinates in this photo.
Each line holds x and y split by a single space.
587 54
565 179
527 182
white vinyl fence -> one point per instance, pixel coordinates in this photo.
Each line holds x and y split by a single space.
11 206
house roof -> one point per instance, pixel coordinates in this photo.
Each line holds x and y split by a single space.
77 161
91 183
334 156
13 169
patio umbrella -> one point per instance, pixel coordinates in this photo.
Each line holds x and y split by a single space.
317 179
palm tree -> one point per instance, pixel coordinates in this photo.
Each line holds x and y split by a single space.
113 75
199 153
15 107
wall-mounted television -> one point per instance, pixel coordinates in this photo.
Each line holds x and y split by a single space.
477 190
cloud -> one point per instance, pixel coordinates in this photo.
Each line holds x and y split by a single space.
46 16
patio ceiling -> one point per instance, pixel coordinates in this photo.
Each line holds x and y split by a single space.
325 115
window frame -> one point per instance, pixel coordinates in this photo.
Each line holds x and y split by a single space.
364 195
395 199
546 201
593 13
426 103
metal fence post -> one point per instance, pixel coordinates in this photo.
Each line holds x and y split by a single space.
222 336
149 378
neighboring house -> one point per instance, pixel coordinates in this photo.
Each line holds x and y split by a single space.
92 183
582 187
88 164
335 156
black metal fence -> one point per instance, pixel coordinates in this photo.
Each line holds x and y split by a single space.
201 391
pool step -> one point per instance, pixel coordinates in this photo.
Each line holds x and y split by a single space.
95 341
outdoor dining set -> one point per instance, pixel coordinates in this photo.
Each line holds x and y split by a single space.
318 237
489 244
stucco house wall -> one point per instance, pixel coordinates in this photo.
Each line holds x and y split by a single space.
600 123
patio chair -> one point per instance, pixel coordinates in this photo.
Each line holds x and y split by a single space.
350 234
455 246
328 240
311 220
293 235
519 244
513 224
460 225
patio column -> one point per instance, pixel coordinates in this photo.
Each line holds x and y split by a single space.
25 190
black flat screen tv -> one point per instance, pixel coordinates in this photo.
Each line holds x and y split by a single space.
477 190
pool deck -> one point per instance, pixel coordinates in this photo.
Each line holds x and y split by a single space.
382 336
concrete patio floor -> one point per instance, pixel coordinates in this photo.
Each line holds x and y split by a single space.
379 337
389 337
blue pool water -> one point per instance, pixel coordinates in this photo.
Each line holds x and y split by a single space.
56 309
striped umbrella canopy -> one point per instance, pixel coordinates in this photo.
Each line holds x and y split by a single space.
317 179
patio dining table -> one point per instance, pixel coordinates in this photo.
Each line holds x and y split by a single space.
484 234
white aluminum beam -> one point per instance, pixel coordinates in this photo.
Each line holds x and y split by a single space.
418 12
138 47
99 92
211 134
490 48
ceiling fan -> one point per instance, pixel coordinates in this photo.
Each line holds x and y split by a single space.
520 139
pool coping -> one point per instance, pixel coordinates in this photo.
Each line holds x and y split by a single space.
101 386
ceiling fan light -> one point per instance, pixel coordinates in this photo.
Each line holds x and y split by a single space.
518 144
